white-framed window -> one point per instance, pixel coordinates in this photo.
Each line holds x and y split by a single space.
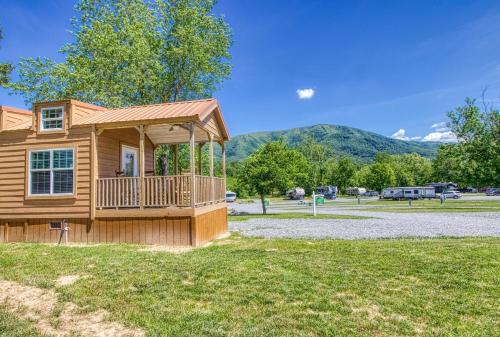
51 172
52 119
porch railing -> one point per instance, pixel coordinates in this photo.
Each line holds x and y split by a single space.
158 191
167 191
118 192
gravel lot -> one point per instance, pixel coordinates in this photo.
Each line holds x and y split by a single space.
384 225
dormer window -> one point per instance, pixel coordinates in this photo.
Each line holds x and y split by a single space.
52 119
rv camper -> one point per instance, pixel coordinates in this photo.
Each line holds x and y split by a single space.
399 193
329 192
296 193
356 191
441 187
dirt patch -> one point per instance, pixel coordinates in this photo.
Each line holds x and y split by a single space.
67 280
361 306
223 239
223 236
42 308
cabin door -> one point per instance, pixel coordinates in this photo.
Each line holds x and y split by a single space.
130 161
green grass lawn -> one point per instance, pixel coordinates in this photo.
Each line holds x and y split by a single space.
432 209
293 216
449 205
257 287
10 326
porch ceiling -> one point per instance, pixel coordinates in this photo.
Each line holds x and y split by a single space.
175 134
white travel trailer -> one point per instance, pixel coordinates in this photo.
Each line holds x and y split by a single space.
399 193
296 193
355 191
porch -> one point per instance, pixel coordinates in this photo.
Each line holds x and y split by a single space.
126 179
159 192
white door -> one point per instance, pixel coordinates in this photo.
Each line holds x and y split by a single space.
130 161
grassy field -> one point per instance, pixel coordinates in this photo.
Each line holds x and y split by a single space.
449 205
10 326
234 218
256 287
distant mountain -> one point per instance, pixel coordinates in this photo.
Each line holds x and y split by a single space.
344 140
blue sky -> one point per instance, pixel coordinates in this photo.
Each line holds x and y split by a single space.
381 66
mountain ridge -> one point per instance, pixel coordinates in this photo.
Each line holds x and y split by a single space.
344 140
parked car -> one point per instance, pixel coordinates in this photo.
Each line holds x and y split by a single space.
230 196
452 194
371 194
296 193
492 191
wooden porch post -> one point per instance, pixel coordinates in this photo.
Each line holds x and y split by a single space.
141 164
200 162
176 159
192 165
211 155
224 165
93 172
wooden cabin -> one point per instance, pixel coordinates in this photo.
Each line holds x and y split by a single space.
77 172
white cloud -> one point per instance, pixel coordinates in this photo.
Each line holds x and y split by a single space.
401 135
441 133
446 136
305 93
438 125
441 129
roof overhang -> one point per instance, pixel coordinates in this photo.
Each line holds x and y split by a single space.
166 123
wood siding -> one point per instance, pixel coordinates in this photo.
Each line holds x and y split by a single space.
81 110
171 231
208 226
109 150
11 119
14 148
210 124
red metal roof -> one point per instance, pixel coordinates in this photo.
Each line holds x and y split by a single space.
188 109
175 112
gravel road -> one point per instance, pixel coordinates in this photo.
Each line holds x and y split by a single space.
383 225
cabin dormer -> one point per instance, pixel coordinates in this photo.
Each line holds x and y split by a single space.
58 117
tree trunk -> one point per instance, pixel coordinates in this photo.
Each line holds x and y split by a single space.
263 201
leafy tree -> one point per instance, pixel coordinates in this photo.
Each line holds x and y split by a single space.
379 176
478 132
274 166
420 168
342 173
403 176
447 166
318 155
360 177
5 68
127 52
383 157
234 184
